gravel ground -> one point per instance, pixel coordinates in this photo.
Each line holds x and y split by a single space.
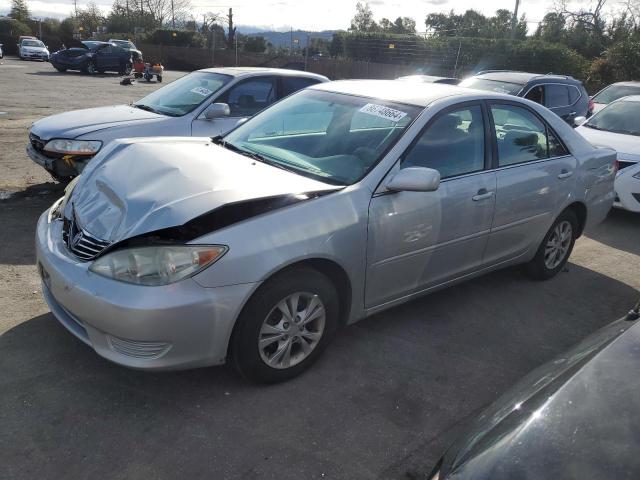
383 402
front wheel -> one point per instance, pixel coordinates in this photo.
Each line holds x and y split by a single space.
556 247
90 68
126 70
285 326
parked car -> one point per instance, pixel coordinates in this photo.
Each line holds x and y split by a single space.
93 57
129 46
563 95
617 126
613 92
429 79
33 49
573 418
207 102
337 202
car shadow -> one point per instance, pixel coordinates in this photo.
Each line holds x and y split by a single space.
55 73
19 212
372 405
620 230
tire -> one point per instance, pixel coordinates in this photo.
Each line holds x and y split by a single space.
159 78
60 69
90 68
555 249
262 319
126 70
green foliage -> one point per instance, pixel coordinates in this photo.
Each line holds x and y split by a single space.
178 38
363 19
10 30
474 24
619 63
253 44
20 10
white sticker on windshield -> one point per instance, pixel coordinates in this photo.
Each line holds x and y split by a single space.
205 92
383 112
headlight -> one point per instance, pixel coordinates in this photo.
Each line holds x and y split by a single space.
73 147
159 265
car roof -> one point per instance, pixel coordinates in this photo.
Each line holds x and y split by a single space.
630 83
253 71
424 78
629 98
412 93
520 77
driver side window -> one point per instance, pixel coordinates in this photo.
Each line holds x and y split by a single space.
453 144
249 97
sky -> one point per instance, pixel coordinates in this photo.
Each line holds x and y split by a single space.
316 14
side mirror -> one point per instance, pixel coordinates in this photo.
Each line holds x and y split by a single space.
579 121
217 110
415 179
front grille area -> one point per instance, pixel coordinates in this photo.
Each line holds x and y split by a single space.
80 242
133 348
38 145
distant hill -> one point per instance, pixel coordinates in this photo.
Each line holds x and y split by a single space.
283 39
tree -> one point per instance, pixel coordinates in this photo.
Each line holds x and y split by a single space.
90 18
336 47
363 20
552 28
255 44
401 25
20 10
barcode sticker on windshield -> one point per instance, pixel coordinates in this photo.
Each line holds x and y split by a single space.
205 92
383 112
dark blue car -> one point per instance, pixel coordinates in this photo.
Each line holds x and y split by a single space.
93 57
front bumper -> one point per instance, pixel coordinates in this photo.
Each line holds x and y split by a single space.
182 325
35 56
627 190
57 165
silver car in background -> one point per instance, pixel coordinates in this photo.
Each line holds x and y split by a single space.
203 103
338 202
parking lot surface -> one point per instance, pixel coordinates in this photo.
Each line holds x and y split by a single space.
384 400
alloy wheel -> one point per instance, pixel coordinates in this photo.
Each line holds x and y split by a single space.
292 330
558 245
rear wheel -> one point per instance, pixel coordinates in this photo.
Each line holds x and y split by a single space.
556 247
126 69
285 326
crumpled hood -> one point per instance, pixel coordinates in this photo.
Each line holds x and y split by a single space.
138 186
80 122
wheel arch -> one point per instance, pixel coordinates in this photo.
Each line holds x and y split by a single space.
580 211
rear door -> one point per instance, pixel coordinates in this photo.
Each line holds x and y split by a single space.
557 98
418 240
535 175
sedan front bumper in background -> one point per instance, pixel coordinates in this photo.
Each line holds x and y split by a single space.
57 165
627 189
181 325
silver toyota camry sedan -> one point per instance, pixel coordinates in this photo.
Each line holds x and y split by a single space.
335 203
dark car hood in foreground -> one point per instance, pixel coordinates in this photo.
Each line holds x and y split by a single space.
138 186
80 122
575 418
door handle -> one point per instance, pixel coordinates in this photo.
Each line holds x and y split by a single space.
564 174
482 194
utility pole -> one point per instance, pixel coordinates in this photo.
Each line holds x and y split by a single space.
514 20
173 16
232 30
306 53
291 42
75 8
236 39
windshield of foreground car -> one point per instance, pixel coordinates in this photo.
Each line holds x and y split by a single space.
614 92
32 43
331 137
184 95
491 85
618 117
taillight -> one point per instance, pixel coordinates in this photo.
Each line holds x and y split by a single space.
591 105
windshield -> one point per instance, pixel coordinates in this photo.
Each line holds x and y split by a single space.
185 94
491 85
91 45
124 43
614 92
332 137
618 117
32 43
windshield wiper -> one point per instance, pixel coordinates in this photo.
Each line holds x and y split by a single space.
145 107
247 153
589 125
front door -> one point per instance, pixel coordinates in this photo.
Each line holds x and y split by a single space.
535 174
245 99
418 240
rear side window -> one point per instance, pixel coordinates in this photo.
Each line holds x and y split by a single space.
556 96
453 144
249 97
293 84
522 137
574 94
